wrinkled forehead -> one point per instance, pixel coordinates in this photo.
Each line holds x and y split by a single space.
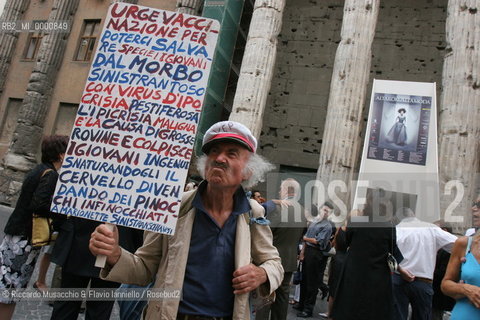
228 145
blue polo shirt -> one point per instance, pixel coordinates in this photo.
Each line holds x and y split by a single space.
207 287
269 207
321 231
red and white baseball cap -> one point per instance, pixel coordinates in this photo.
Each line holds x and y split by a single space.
229 131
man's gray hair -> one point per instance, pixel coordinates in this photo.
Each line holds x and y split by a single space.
290 186
257 166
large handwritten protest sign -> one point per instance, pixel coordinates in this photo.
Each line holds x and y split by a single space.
130 148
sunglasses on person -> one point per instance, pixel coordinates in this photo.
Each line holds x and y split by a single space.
476 204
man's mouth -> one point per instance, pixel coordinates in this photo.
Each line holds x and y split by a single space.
219 165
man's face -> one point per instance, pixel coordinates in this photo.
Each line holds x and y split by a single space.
225 164
325 212
476 213
257 196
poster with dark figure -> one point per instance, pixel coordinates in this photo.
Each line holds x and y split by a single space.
399 128
398 133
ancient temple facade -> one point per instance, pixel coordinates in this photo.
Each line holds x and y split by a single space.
300 76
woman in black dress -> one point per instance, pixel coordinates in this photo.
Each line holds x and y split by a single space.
364 291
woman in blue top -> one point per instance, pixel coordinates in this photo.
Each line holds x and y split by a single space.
462 279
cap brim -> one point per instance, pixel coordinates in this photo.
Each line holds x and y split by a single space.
206 147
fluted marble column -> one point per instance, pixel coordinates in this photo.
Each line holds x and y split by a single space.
343 123
258 63
27 136
459 121
192 7
13 11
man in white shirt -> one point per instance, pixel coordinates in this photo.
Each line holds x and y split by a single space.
419 242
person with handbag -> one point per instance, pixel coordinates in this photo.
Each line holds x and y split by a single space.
222 247
17 253
364 287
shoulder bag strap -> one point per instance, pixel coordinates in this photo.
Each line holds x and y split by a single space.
45 172
393 230
468 245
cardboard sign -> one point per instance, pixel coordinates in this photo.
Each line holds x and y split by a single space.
131 145
400 150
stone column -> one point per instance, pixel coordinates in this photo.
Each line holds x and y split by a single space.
257 66
459 121
21 155
193 7
13 11
341 136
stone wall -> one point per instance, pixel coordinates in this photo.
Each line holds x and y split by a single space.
410 42
409 45
293 121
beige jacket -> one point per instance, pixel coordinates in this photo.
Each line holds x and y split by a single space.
166 256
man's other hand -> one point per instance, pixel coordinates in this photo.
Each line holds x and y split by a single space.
248 278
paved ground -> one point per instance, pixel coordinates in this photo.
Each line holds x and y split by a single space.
41 311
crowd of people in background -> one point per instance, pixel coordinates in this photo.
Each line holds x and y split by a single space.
427 282
217 264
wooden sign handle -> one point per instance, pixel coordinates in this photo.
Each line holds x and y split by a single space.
101 260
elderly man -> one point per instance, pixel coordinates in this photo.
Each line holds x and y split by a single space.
217 255
288 223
